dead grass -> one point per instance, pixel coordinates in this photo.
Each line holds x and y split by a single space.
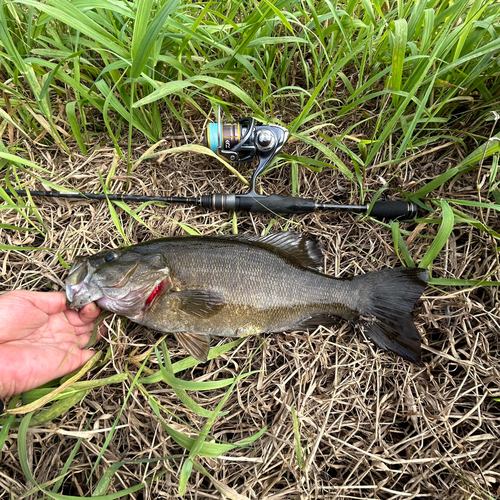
371 426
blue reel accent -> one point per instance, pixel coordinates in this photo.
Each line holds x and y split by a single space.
213 136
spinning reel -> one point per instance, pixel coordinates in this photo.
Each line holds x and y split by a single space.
244 140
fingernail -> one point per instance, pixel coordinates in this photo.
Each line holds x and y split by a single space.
92 307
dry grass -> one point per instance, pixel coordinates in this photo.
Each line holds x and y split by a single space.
371 425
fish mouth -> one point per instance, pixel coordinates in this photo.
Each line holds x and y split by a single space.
71 292
79 288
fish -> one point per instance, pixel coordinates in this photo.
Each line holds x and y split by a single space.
197 287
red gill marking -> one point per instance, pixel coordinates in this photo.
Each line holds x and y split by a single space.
156 291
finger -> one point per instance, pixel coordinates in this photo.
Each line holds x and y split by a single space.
40 365
84 317
90 312
84 329
48 302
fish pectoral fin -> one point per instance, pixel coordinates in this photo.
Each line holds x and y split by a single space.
196 344
199 303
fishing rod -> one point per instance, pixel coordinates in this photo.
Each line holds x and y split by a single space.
274 203
239 142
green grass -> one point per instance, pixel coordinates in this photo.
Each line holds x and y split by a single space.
409 72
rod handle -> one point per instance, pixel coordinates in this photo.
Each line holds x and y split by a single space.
394 210
275 203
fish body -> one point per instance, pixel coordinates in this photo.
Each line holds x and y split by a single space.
233 286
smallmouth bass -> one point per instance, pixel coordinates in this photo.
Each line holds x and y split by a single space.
233 286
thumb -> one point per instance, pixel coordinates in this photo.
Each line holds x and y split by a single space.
89 313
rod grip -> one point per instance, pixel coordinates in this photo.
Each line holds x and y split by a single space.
394 210
275 204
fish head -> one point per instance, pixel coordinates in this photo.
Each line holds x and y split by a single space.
122 281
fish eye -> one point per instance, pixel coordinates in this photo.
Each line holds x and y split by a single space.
110 256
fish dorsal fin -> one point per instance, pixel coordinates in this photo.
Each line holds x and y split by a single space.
305 252
201 303
196 344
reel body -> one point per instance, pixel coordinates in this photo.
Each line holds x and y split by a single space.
244 140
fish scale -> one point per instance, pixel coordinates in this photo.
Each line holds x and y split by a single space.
223 267
255 299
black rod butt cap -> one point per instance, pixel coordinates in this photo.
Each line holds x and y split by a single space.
394 210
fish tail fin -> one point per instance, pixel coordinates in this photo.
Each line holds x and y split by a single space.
386 300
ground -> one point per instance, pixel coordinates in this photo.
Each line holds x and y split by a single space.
369 424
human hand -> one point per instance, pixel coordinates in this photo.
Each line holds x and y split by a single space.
41 339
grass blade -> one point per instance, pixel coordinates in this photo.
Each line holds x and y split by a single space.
298 447
442 237
400 28
169 378
145 38
75 127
